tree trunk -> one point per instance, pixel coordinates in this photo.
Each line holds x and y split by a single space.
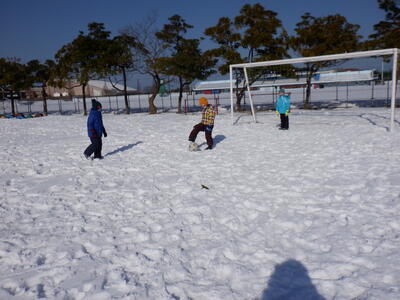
180 95
12 103
44 95
239 96
306 103
238 103
84 99
127 108
238 78
152 107
157 84
308 94
311 70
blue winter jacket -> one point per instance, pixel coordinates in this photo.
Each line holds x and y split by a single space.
95 123
283 104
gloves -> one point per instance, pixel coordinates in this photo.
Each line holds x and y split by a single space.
286 113
277 113
94 133
105 133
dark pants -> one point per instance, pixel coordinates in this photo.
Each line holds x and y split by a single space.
284 121
201 127
94 147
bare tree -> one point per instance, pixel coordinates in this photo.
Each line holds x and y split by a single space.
120 61
148 51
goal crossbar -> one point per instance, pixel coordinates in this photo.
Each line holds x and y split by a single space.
360 54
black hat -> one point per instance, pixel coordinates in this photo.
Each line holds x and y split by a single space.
95 104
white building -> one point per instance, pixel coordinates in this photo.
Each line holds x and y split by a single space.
319 79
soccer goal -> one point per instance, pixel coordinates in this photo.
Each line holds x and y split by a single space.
365 78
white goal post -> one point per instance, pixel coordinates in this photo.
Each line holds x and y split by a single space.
361 54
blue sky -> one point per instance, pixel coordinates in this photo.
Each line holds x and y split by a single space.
37 29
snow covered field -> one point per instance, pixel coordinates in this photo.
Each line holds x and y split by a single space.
309 213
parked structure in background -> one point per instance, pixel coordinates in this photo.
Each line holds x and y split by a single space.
320 80
95 88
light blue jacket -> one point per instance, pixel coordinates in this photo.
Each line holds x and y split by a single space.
283 104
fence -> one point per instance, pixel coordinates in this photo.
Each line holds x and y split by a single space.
361 95
116 104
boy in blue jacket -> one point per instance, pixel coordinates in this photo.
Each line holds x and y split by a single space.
95 131
283 108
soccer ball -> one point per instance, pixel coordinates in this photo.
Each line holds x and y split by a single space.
193 146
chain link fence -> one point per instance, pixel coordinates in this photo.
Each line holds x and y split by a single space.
321 96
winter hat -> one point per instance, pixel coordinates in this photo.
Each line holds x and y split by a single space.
281 91
203 101
95 104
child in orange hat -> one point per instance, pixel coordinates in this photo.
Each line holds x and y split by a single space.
206 124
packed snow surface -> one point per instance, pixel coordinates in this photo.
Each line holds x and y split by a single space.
309 213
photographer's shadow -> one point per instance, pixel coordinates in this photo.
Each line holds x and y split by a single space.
290 281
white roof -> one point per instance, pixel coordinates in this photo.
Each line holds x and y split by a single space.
213 85
323 77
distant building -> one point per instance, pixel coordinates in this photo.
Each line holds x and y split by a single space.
95 88
318 81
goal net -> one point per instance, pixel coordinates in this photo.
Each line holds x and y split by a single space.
366 78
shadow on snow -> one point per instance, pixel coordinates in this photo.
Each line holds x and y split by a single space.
217 139
124 148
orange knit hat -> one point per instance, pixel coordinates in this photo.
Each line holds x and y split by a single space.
203 101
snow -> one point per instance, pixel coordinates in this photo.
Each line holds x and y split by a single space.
309 213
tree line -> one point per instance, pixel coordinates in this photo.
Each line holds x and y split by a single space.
255 34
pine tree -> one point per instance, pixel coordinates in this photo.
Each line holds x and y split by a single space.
41 74
186 62
84 58
387 32
322 36
13 78
255 31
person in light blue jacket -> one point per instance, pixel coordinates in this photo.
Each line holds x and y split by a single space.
283 108
95 130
